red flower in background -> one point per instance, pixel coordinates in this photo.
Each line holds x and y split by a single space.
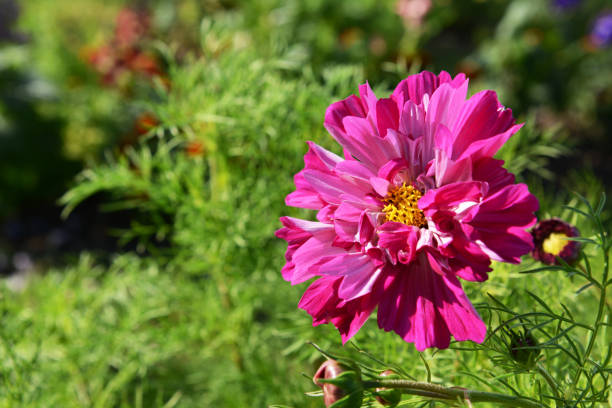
195 148
131 27
124 53
142 125
145 123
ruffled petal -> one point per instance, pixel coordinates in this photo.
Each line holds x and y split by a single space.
305 196
322 302
482 126
491 171
426 308
465 258
354 170
308 243
346 122
337 111
412 120
332 188
387 116
447 171
415 87
446 103
462 320
451 196
499 223
399 240
362 141
488 147
319 158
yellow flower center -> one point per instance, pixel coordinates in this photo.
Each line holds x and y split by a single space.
555 243
402 206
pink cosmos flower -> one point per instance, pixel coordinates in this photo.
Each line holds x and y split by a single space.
417 202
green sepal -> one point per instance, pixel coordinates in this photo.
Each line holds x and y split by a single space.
351 400
389 397
348 381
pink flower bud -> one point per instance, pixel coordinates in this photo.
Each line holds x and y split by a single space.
388 396
341 385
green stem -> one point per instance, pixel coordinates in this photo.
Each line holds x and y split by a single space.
602 304
551 381
439 392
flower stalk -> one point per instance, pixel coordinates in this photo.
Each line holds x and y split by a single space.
600 310
439 392
549 379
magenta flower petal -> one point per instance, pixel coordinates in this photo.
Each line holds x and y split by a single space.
415 87
500 222
491 171
425 308
321 301
351 106
446 103
399 240
482 124
451 196
308 243
387 116
416 203
305 195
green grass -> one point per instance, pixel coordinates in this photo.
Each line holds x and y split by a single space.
137 333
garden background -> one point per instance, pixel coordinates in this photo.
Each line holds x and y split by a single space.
146 148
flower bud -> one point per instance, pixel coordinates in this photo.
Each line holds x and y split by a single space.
342 386
524 347
550 239
388 396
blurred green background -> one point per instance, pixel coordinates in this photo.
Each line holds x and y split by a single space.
146 148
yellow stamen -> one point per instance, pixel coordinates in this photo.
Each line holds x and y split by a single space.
555 243
402 206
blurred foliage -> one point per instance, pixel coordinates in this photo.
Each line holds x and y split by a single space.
202 151
537 54
32 164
